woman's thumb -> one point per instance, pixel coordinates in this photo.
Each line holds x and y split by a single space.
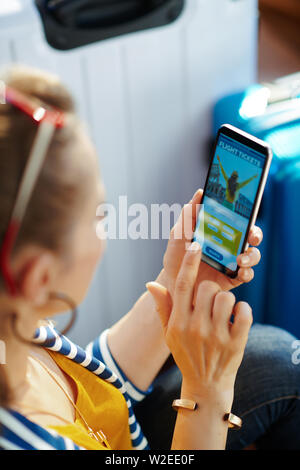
163 301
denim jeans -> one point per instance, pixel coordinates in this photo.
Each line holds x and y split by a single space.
267 397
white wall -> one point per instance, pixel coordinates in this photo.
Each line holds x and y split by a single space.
147 99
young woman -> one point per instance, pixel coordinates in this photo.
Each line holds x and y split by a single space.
55 395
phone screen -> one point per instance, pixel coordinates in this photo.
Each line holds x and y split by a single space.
228 202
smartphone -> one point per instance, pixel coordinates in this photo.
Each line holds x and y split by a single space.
232 194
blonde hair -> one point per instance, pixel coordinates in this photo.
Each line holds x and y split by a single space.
62 186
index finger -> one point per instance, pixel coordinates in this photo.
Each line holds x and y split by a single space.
185 282
255 236
186 223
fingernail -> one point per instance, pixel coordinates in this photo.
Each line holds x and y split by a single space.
151 283
196 193
194 247
256 235
245 259
246 275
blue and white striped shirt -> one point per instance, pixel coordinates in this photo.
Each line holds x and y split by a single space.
19 433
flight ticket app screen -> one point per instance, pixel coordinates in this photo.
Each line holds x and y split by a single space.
227 206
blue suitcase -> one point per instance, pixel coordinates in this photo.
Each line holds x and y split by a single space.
272 113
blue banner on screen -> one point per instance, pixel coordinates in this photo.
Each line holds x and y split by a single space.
230 194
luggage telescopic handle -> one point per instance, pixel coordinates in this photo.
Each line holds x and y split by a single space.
73 23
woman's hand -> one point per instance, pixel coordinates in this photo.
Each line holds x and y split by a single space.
142 363
207 347
180 238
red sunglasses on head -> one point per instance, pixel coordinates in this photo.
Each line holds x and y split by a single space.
47 120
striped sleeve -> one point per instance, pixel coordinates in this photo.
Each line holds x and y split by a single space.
19 433
99 348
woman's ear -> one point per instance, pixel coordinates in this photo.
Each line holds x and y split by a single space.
36 277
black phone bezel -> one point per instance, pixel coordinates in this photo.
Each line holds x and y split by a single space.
255 144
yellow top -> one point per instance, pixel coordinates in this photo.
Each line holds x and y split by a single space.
102 405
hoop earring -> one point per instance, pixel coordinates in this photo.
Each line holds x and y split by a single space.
73 307
52 296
